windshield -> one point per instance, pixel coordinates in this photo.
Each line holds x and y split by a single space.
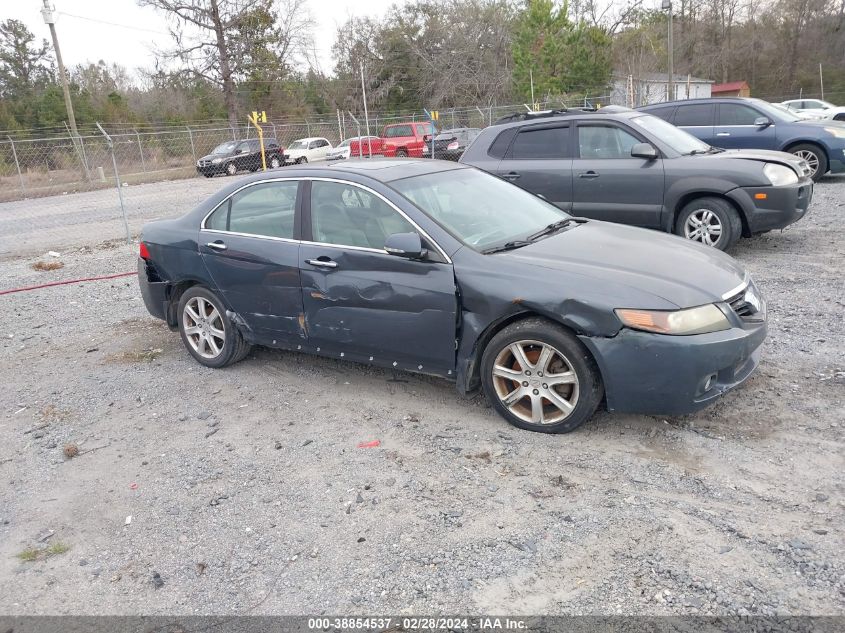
225 148
298 145
679 140
480 210
773 113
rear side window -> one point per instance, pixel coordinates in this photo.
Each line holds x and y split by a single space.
540 143
737 114
697 114
265 210
664 112
500 145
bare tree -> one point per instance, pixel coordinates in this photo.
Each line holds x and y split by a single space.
224 41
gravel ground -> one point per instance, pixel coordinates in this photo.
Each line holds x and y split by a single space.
243 491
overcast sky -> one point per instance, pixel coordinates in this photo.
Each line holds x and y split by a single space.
120 31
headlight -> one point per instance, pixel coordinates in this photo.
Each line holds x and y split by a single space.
779 175
838 132
214 161
700 320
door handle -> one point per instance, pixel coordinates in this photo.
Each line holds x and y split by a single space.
217 245
512 175
723 133
588 174
323 263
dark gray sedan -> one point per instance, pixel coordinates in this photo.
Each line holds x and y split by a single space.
434 267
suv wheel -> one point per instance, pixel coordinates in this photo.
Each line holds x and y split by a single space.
231 169
401 153
540 378
274 162
815 158
710 221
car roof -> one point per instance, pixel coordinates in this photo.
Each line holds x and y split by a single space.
597 115
310 138
383 170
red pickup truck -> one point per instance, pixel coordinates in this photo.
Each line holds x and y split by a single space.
405 139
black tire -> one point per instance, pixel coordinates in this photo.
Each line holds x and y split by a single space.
231 169
275 163
401 153
533 335
234 347
209 175
711 212
815 156
301 160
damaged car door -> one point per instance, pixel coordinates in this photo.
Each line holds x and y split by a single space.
363 303
248 246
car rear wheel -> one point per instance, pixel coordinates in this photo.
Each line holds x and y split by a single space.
401 153
815 158
710 221
540 378
208 334
231 169
209 175
274 162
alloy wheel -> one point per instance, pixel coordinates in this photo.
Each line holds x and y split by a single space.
231 169
274 163
536 382
203 327
703 226
811 158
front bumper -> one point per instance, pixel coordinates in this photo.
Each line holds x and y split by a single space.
658 374
768 208
210 169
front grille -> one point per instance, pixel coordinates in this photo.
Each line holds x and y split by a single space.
745 309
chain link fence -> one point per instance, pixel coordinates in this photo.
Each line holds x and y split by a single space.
104 184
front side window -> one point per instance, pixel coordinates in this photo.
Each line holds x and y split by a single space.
541 143
265 210
480 210
737 114
346 215
604 141
244 147
399 130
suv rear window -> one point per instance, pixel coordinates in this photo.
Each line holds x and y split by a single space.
540 143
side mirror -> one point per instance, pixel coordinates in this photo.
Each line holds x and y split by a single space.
407 245
644 150
426 138
762 121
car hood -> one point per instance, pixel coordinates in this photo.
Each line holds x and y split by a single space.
763 156
678 271
212 156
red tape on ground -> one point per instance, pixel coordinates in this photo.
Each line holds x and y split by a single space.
66 282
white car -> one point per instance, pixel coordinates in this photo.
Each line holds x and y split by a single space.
307 150
343 149
817 108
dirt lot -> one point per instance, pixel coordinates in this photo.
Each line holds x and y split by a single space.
244 490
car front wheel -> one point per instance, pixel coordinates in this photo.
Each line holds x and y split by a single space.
710 221
301 160
274 162
231 169
815 158
540 378
207 332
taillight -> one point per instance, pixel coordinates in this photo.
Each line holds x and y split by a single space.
143 251
453 145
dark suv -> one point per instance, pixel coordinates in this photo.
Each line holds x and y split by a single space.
630 167
733 122
234 156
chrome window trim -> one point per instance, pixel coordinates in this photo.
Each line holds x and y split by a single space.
298 179
388 203
238 190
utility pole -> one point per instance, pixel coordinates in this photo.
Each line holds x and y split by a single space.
49 18
531 76
366 114
821 80
667 5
